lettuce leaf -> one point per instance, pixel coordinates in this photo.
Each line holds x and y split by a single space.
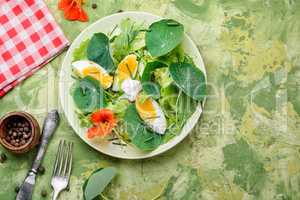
80 53
119 107
162 76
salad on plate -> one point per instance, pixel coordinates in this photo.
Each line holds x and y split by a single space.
136 84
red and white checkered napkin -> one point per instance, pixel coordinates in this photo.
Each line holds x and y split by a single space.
29 38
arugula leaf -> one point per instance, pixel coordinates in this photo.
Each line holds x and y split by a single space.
88 95
130 39
163 36
139 135
150 87
96 183
98 50
190 79
80 53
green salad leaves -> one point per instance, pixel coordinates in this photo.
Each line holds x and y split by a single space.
167 84
163 36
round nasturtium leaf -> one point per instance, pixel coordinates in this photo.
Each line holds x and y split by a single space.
88 95
163 36
98 50
190 79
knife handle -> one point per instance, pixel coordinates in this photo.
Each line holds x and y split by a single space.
50 124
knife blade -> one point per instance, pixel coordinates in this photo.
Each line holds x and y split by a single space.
49 126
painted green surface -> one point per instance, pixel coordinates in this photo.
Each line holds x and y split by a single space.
247 143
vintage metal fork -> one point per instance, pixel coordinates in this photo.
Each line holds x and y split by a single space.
62 168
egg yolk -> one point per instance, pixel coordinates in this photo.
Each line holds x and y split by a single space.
146 109
104 78
127 67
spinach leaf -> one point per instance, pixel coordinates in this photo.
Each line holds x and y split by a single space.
150 87
88 95
98 51
140 136
163 36
96 183
80 53
190 79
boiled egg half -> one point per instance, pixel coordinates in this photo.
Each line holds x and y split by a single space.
151 113
127 69
83 68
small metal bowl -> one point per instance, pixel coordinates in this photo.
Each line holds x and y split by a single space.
34 137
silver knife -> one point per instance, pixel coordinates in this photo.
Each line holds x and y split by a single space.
50 124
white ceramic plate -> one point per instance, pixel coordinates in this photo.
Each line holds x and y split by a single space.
105 25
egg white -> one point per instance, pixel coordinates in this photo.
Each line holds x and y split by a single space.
158 123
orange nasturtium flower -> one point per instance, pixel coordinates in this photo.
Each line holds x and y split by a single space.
73 10
104 121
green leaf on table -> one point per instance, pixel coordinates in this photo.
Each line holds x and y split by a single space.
190 79
138 133
99 51
88 95
80 53
96 183
163 36
150 87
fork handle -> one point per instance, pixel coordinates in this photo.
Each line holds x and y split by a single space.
55 194
49 127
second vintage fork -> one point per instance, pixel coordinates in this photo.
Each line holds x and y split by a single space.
62 168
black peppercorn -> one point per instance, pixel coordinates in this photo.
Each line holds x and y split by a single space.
3 158
17 189
41 170
44 193
94 6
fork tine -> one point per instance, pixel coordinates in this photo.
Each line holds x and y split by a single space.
66 159
57 158
70 161
59 172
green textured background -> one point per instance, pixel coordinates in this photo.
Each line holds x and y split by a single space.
247 143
